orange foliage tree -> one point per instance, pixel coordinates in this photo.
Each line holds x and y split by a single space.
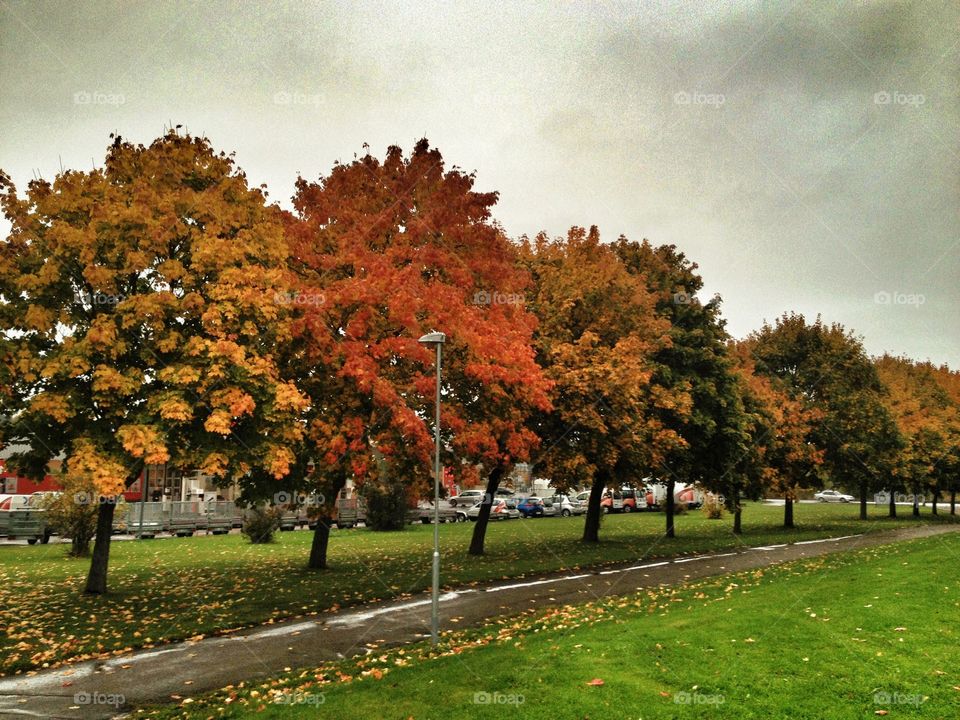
787 455
382 252
928 419
597 337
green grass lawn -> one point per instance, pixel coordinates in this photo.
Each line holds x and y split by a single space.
840 636
170 589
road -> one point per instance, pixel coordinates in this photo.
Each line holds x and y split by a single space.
103 688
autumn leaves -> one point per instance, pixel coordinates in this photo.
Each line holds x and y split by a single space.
158 310
180 365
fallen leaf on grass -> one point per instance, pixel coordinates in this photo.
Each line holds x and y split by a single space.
596 682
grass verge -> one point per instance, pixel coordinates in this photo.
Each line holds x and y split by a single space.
847 635
172 589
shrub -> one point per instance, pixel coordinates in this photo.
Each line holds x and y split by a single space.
386 506
713 507
260 522
73 512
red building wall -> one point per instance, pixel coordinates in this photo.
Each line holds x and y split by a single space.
13 484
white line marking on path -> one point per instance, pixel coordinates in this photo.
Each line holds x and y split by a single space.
634 567
357 618
536 582
823 540
277 631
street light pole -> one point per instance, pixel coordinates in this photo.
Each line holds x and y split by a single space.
436 339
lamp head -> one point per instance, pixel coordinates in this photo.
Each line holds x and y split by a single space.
433 338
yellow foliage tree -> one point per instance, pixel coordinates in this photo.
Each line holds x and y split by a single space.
139 322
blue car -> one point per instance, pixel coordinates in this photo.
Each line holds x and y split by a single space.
531 507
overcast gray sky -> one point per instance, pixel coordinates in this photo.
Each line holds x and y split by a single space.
804 154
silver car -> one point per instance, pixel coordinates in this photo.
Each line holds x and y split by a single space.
833 496
561 505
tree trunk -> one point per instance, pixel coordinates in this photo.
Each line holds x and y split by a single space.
321 534
863 499
916 504
591 526
79 547
321 539
953 502
670 532
483 519
97 578
737 514
788 512
936 497
893 504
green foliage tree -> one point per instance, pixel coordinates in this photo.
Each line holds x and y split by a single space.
826 367
695 363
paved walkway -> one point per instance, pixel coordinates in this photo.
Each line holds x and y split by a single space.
103 688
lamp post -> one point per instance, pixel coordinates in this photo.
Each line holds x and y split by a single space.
436 339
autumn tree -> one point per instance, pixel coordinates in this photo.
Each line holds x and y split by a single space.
695 363
596 338
787 456
949 380
928 420
383 252
136 311
826 368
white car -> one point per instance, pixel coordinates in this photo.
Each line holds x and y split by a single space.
833 496
502 509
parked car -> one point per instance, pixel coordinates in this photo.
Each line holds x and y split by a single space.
562 505
502 509
508 506
582 499
833 496
531 507
471 497
467 498
612 501
19 502
633 499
